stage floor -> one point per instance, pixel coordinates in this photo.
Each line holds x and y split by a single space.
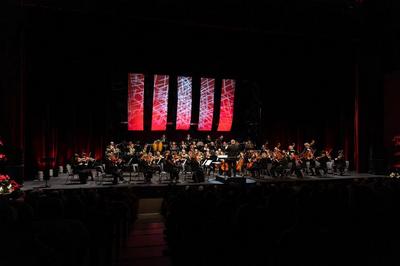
158 181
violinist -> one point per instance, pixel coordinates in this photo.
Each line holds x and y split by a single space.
294 159
114 163
183 145
219 152
307 157
174 147
323 159
183 155
277 161
193 145
130 149
197 171
148 158
112 149
158 160
171 166
158 157
148 168
86 160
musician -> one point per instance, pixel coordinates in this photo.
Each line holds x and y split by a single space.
148 166
114 167
219 142
171 167
277 157
111 147
340 163
184 155
194 163
265 146
249 145
293 158
146 148
174 147
158 162
163 139
211 146
200 145
188 138
130 149
208 140
307 156
82 165
240 162
219 152
232 151
323 159
253 164
192 145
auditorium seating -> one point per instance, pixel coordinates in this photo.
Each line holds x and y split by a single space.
67 227
319 223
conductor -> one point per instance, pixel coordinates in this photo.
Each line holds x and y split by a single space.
232 150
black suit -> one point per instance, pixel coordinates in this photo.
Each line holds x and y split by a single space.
232 151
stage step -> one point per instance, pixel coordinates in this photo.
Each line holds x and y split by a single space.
146 244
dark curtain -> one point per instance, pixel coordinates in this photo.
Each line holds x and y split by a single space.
63 87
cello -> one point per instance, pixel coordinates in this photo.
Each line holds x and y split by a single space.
224 166
239 163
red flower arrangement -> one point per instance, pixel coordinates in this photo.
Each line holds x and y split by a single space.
7 185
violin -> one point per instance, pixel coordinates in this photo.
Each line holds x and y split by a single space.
115 160
279 155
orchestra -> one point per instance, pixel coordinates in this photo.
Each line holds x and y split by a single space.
228 158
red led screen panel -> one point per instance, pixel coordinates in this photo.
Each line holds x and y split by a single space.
135 101
184 110
206 104
227 105
160 103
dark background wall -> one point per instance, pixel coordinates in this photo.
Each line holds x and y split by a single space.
300 70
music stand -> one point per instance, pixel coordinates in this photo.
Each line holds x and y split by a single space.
46 176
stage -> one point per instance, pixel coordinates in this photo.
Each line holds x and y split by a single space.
161 182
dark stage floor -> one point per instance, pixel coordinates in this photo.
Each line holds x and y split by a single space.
162 181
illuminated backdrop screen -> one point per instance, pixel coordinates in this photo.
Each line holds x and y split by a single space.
227 104
184 95
206 111
184 110
160 102
135 101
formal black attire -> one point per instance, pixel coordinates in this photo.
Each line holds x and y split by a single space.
232 151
